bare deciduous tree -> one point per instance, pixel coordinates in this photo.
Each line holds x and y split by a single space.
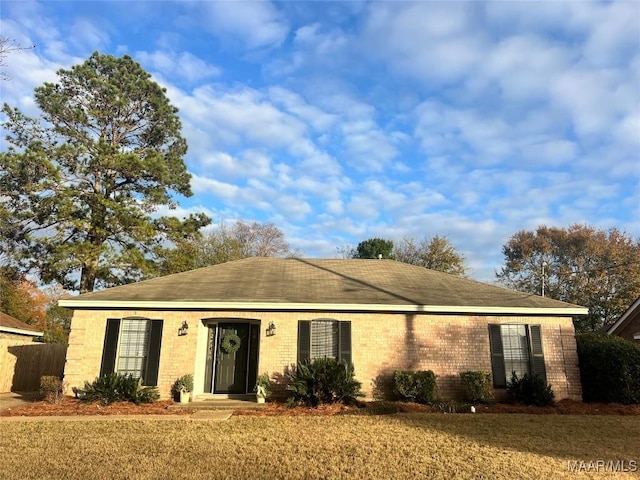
435 253
8 45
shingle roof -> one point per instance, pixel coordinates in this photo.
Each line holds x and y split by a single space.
10 324
278 281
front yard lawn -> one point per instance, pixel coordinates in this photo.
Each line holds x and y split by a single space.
495 446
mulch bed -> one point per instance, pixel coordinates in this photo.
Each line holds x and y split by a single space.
73 407
563 407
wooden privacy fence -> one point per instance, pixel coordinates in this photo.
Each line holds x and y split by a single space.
22 365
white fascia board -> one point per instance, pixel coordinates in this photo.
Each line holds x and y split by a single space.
19 331
342 307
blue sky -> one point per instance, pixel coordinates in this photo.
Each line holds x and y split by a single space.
342 121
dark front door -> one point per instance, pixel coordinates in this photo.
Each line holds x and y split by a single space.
231 363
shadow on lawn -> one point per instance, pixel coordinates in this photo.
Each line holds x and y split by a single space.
575 437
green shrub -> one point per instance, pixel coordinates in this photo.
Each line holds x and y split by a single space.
417 387
530 390
322 380
477 386
119 388
609 369
52 388
184 383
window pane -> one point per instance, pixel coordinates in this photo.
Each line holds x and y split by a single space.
516 350
324 338
133 347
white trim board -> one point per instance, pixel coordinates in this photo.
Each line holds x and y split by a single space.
342 307
20 331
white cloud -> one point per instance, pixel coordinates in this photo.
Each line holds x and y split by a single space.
255 23
249 163
90 35
523 66
296 105
243 114
183 66
206 186
435 41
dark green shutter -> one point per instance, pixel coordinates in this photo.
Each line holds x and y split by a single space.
304 340
110 347
153 357
497 357
537 356
344 341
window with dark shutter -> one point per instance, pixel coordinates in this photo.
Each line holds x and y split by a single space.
150 377
345 341
132 346
537 355
497 358
304 340
324 338
110 347
515 348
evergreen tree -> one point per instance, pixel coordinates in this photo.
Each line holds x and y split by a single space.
78 185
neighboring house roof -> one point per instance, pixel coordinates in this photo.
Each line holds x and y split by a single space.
8 324
630 314
319 284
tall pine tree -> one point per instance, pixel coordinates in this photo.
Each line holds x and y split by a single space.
78 186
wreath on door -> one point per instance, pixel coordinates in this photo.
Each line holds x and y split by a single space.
231 343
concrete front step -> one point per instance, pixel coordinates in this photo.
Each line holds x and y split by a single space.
219 404
247 397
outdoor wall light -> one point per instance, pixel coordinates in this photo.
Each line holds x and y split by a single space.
183 329
271 329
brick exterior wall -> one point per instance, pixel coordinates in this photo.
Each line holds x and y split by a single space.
381 343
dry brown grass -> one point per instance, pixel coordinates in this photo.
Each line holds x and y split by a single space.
391 446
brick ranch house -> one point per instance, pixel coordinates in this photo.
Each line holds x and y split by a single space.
381 315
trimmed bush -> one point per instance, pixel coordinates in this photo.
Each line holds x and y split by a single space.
322 380
609 369
119 388
52 388
477 386
530 390
419 387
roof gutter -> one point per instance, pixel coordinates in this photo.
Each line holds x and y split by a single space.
343 307
20 331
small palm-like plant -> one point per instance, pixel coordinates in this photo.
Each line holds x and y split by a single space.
323 380
118 388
